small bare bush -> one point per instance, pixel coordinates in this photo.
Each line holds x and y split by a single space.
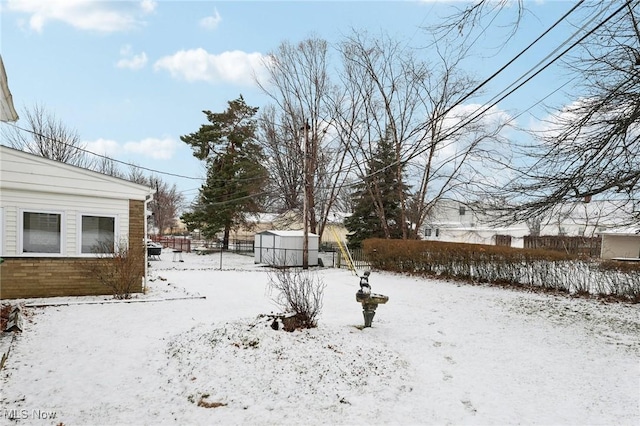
119 267
298 292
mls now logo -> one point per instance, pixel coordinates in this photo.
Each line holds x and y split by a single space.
24 414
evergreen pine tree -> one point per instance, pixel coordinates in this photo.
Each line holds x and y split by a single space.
235 171
376 213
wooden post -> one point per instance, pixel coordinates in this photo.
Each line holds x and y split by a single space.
305 205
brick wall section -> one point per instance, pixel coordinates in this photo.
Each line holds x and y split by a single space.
136 225
136 236
47 277
22 277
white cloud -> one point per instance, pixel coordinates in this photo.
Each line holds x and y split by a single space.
82 14
480 149
551 124
198 65
105 147
148 6
562 122
158 149
490 121
211 22
155 148
130 60
492 116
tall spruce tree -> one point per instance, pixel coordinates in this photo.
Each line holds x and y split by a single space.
235 171
377 210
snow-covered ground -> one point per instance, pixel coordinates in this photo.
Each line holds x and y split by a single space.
438 353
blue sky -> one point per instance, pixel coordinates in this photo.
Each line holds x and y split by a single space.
133 76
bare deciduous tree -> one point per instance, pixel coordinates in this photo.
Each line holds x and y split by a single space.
48 137
299 84
468 22
45 135
166 204
107 166
285 162
591 147
167 201
393 95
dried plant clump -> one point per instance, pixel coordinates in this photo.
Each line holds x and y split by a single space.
299 293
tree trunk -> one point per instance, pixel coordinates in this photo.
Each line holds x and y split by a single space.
225 237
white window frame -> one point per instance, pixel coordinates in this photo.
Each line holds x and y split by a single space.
63 239
116 234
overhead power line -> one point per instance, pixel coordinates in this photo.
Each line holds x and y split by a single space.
481 111
103 156
515 58
478 113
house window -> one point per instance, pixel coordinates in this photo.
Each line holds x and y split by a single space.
437 232
98 234
427 232
463 210
41 232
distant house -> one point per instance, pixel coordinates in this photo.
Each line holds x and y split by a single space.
621 244
284 248
52 215
455 221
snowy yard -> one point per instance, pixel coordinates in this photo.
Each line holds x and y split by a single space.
438 353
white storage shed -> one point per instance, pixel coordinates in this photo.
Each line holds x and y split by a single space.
284 248
621 244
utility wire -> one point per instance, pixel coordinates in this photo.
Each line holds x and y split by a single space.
202 179
476 114
460 125
502 95
510 92
540 63
515 58
86 151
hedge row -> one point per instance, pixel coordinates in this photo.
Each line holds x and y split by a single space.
505 265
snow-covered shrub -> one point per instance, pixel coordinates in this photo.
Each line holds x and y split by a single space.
298 292
619 278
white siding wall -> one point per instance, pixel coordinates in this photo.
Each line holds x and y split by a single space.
479 236
30 173
14 202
